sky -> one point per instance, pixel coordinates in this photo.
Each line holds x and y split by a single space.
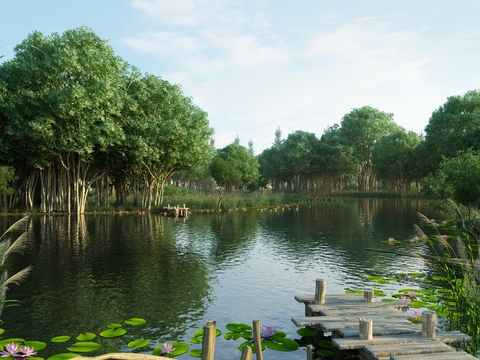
258 65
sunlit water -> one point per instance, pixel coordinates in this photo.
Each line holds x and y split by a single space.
177 274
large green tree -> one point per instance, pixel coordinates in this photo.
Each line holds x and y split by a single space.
362 129
62 101
232 167
454 126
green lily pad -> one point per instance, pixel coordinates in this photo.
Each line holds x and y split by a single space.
64 356
84 346
2 331
230 336
9 341
200 332
327 344
238 327
416 274
354 291
60 339
113 332
307 332
198 339
180 349
114 326
196 353
374 277
382 281
388 300
324 352
135 321
86 337
281 343
379 293
37 345
137 344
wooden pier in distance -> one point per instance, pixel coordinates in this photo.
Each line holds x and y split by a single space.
374 330
175 211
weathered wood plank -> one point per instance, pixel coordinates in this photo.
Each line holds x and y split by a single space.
427 347
316 309
328 298
455 355
365 312
381 331
335 325
315 320
357 343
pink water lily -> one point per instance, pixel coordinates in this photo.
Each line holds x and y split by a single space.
267 332
411 293
167 348
416 314
28 351
10 350
404 299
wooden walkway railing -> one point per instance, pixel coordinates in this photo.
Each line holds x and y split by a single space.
377 330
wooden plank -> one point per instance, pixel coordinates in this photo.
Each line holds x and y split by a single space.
328 298
455 355
365 312
314 320
335 325
316 309
426 347
381 331
357 343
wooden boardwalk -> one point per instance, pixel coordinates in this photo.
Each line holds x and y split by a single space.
366 329
175 211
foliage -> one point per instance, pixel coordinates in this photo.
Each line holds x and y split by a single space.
7 174
7 247
453 127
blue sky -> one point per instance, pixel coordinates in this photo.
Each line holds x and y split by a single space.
256 65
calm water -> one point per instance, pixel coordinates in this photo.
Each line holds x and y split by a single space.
177 274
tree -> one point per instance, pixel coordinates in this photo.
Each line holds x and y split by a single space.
231 167
7 174
453 127
62 102
362 129
391 158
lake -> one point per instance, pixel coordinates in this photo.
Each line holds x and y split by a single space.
232 267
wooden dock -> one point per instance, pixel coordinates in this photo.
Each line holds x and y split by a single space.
175 211
366 329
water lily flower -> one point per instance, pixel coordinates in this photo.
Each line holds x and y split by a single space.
411 293
416 314
10 350
28 351
167 348
267 332
404 299
391 241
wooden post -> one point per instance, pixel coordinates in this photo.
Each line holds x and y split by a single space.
257 340
320 290
208 342
368 296
246 353
366 329
309 352
429 327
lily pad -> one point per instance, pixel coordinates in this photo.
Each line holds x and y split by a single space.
86 337
180 349
327 344
199 339
37 345
324 352
135 321
200 332
64 356
281 343
60 339
84 346
354 291
195 353
137 344
416 274
9 341
229 336
238 327
114 326
113 332
307 332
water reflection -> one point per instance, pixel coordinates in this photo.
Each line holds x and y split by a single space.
90 271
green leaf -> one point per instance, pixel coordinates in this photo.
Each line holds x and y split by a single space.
388 300
64 356
200 332
197 339
374 277
84 346
323 352
59 339
180 349
416 274
238 327
86 337
113 332
137 344
2 331
379 293
382 281
37 345
327 344
281 344
135 321
8 341
307 332
114 326
354 291
196 353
